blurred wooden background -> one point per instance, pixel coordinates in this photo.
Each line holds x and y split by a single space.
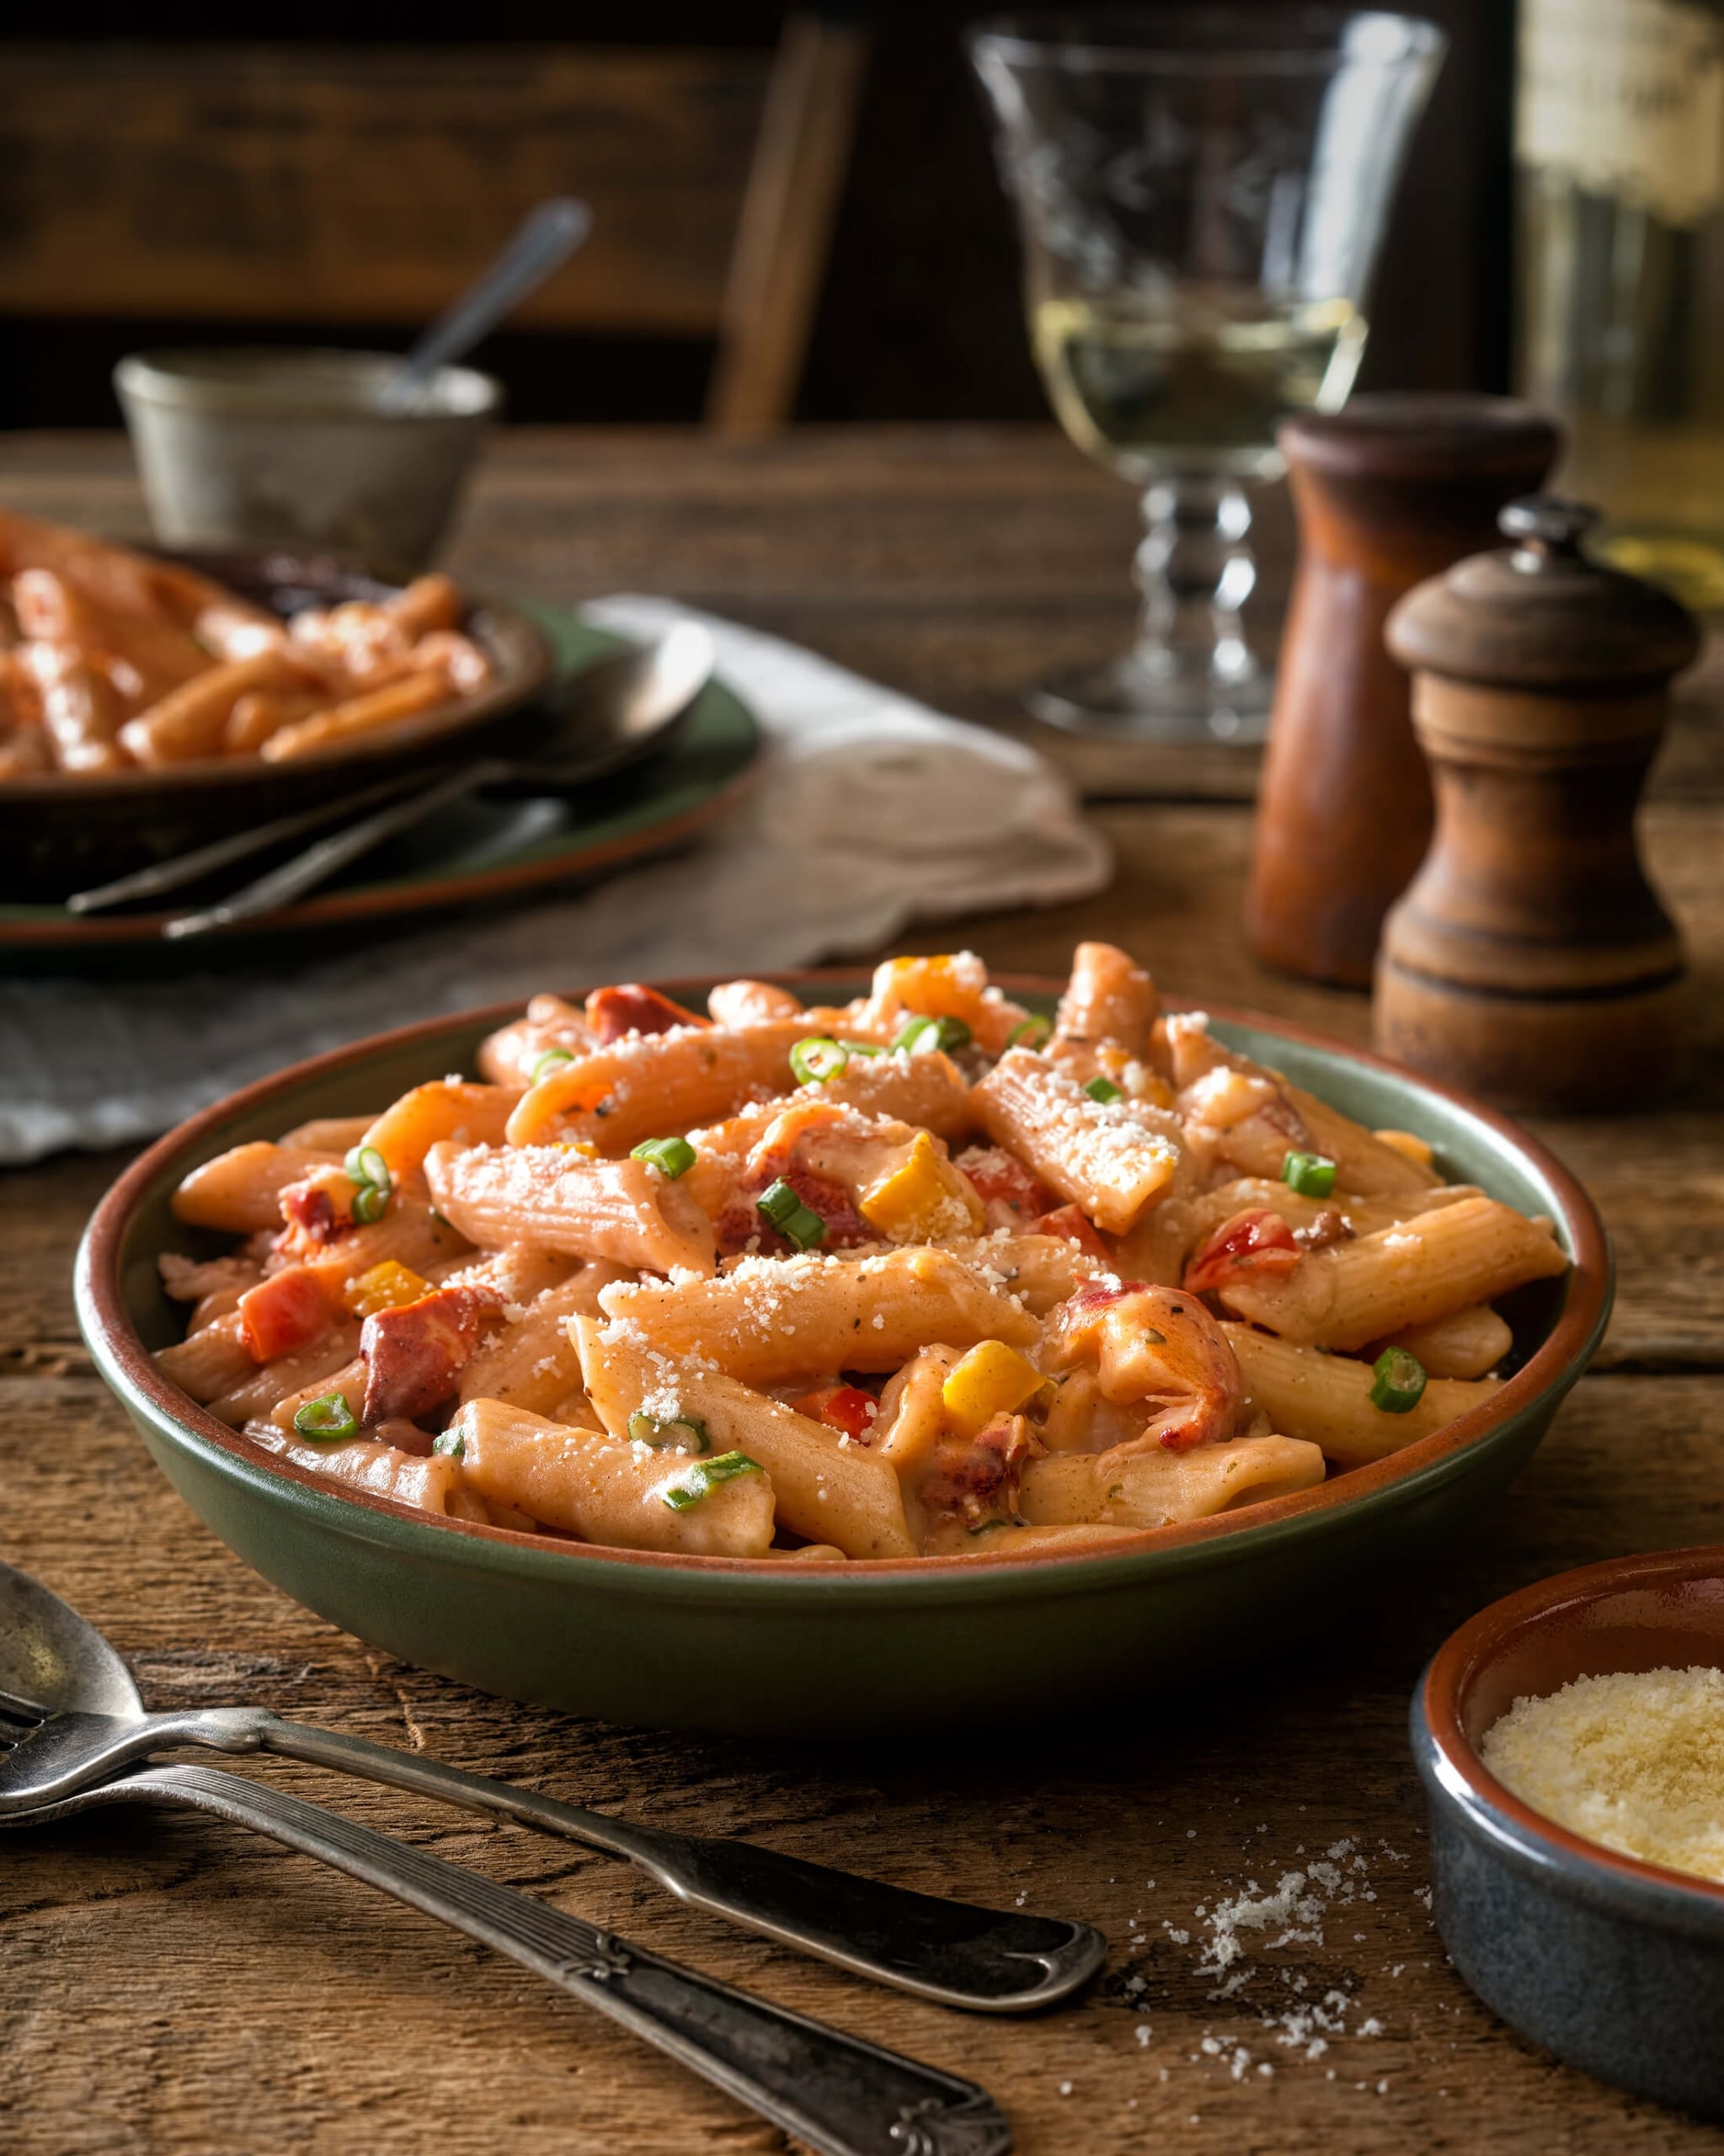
912 307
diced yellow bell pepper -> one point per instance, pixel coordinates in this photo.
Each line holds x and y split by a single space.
384 1286
923 1198
991 1379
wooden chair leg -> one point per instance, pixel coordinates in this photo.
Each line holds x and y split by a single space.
785 230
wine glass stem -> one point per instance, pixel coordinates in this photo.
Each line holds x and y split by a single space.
1195 570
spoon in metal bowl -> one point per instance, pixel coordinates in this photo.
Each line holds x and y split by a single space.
546 240
71 1717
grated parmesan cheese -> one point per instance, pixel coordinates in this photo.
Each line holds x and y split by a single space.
1634 1761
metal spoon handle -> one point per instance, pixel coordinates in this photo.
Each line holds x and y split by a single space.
950 1951
188 868
834 2091
321 859
546 238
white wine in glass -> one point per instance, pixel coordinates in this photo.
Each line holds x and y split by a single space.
1202 191
1137 384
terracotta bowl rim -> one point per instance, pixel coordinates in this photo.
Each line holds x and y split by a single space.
1440 1699
130 1370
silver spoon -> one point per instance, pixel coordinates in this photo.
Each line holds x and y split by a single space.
546 239
72 1717
603 710
628 702
834 2091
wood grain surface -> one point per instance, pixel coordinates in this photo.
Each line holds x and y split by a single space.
170 1985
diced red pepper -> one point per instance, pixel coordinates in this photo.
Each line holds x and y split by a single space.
1073 1226
633 1008
1257 1241
843 1407
287 1311
998 1174
308 1207
414 1353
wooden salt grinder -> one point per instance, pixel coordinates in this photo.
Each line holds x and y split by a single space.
1389 490
1530 959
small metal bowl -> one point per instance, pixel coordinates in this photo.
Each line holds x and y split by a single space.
1616 1966
257 448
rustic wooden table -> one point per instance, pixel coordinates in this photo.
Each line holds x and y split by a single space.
168 1985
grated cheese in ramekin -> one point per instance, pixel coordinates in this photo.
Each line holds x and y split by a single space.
1634 1761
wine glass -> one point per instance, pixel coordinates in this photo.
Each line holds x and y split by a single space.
1202 191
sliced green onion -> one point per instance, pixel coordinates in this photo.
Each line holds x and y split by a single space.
671 1157
366 1164
1034 1031
370 1203
1310 1174
326 1421
1400 1381
922 1036
451 1445
368 1171
666 1432
862 1047
704 1474
1104 1090
818 1059
797 1223
549 1061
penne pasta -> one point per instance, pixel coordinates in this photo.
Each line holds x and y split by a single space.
625 1210
447 1108
1109 1158
433 1483
825 1490
590 1484
1327 1399
358 716
240 1190
778 1319
649 1084
1159 1489
1465 1344
532 1362
1426 1267
301 1371
1363 1163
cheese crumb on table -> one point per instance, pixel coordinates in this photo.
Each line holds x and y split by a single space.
1634 1761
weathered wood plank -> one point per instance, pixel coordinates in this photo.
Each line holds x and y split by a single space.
295 183
167 1986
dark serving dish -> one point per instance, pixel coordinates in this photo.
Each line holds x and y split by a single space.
61 832
1615 1965
888 1647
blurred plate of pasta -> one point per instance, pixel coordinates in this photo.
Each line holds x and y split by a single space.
61 831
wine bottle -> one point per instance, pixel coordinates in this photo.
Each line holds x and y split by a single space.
1620 181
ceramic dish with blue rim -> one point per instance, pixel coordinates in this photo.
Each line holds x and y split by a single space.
890 1645
478 852
1616 1965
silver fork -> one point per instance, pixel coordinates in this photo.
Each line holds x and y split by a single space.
952 1952
843 2096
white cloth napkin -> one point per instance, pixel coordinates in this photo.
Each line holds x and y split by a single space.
873 812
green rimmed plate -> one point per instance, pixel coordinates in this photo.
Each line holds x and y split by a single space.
479 851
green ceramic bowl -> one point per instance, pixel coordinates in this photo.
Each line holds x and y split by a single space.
753 1645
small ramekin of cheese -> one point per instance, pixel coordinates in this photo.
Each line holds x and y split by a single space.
1571 1741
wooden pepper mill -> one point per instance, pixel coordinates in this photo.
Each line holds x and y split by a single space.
1389 490
1530 959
